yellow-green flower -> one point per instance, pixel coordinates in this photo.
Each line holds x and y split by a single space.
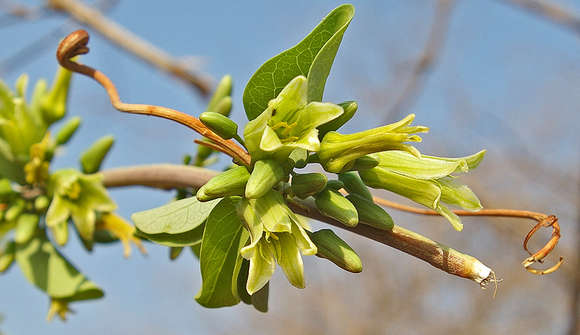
426 180
288 123
277 235
78 196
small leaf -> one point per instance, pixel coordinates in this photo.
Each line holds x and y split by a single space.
48 270
313 56
174 218
220 259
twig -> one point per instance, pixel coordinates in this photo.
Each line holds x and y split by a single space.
130 42
429 56
76 44
440 256
550 12
543 220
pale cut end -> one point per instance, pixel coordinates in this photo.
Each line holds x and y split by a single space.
481 272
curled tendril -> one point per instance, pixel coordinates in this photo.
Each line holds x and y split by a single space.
538 256
76 44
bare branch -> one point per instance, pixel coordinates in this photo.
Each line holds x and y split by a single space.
167 176
125 39
550 12
428 58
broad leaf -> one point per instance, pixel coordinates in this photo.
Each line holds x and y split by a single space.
174 218
185 239
48 270
312 57
220 259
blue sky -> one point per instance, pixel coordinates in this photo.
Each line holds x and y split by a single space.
505 81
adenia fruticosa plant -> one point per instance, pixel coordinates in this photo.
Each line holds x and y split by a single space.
243 222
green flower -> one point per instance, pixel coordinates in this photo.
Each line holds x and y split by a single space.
276 235
338 152
288 123
78 196
426 180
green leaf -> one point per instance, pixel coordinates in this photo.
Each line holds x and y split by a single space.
220 259
174 218
48 270
312 57
188 238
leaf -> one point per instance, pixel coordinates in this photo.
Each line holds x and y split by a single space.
312 57
185 239
48 270
220 259
174 218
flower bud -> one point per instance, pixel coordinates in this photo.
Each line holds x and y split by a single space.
305 185
354 185
349 108
333 248
298 158
224 106
228 183
60 233
13 212
68 130
219 124
364 163
334 205
41 203
223 89
370 213
7 256
338 152
93 157
266 174
53 105
334 185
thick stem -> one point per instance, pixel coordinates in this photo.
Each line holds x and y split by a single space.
166 176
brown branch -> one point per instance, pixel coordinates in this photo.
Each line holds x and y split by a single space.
132 43
428 58
440 256
543 220
76 44
550 12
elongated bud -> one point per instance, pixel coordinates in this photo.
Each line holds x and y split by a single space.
14 211
224 106
25 228
298 158
338 152
93 157
223 89
68 130
41 203
266 174
336 250
7 256
349 107
305 185
219 124
354 185
364 163
54 103
334 205
370 213
228 183
202 154
174 252
60 233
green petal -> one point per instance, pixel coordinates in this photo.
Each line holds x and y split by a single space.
471 161
272 211
424 192
84 219
270 140
291 99
57 212
303 241
262 266
94 194
288 256
455 193
308 141
318 113
422 168
450 216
